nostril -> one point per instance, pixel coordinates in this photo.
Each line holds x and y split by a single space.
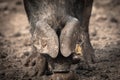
76 59
33 63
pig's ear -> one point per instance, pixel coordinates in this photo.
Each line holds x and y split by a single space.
45 40
70 38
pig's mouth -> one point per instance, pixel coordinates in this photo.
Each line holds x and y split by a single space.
55 71
61 64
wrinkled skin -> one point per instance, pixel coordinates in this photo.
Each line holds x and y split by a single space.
58 26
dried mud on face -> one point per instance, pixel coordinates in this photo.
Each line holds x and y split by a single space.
15 41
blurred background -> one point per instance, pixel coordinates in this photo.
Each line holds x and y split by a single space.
104 34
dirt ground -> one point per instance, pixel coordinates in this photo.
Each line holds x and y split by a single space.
104 33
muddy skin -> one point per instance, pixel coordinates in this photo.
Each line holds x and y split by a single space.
60 28
15 42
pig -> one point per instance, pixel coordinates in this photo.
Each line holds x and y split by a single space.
60 33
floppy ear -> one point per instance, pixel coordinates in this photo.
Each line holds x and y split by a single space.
70 37
45 39
71 34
